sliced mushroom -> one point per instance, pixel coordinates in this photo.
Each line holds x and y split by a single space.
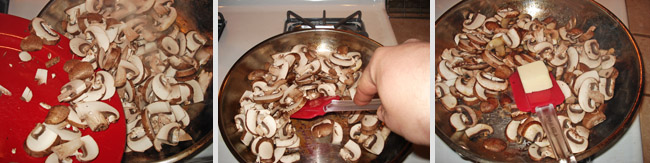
592 49
537 153
494 144
350 151
491 82
27 95
589 96
97 114
43 30
322 128
89 150
31 43
511 131
593 118
478 130
374 144
40 140
337 134
474 21
577 143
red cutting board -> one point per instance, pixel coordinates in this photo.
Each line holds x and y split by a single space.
19 117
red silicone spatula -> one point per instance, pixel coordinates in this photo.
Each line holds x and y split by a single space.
322 105
543 104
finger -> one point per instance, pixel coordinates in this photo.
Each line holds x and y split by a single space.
381 114
366 88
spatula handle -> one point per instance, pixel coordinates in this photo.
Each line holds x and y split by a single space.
348 105
554 132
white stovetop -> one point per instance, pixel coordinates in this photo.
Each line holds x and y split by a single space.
627 149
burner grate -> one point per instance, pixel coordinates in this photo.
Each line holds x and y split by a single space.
221 25
352 23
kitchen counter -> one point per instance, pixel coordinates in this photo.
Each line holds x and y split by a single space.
627 149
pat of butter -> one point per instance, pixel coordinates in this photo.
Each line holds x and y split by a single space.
534 77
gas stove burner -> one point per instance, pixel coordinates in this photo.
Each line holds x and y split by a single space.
351 23
222 25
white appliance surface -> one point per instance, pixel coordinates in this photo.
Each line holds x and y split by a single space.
627 149
250 22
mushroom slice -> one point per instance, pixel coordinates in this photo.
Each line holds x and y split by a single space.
82 70
290 157
337 134
465 87
474 21
97 114
577 143
592 119
89 150
322 128
607 61
375 144
72 90
43 30
537 153
265 149
369 124
566 90
490 82
511 131
169 46
592 49
31 43
57 114
27 95
24 56
445 71
350 151
4 91
573 59
197 95
606 87
575 113
583 77
477 129
251 121
108 82
468 116
73 119
96 33
355 117
589 96
40 140
171 134
456 121
194 40
268 124
161 86
41 76
68 149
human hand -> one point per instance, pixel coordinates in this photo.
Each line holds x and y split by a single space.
400 75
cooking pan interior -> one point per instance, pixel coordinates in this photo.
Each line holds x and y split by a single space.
610 33
312 150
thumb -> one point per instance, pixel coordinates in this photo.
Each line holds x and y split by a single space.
366 88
